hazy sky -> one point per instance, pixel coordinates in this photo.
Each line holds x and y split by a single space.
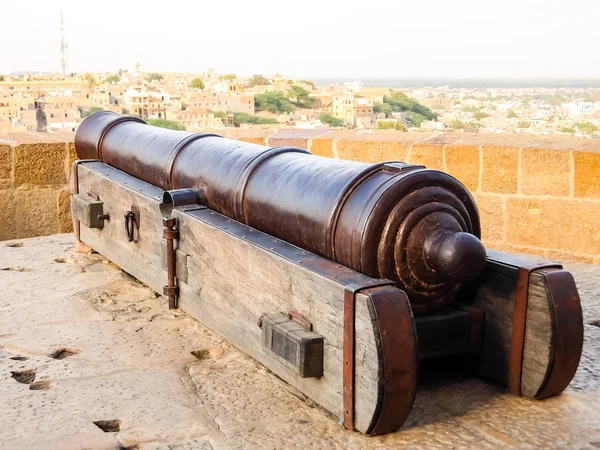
374 38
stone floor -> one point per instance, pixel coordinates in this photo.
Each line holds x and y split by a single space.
82 342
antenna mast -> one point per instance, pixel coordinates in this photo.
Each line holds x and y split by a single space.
63 46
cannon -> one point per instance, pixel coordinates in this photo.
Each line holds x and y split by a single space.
338 276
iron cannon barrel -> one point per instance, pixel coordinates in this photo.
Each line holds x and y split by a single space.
415 226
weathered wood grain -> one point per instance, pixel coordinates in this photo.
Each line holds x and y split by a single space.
230 283
495 294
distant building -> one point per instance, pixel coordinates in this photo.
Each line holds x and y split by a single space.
356 111
580 108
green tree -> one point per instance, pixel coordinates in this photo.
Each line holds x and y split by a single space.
416 118
228 76
91 80
385 108
585 127
307 82
457 124
399 95
274 102
567 130
511 114
300 97
94 109
524 124
470 109
154 76
240 118
113 79
399 102
258 80
220 114
1 77
480 115
197 83
164 123
331 121
391 125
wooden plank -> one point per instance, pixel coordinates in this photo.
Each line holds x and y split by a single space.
232 282
141 259
495 294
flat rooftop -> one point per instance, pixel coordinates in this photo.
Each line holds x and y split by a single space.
92 359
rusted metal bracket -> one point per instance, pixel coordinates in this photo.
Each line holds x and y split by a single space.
297 317
171 233
515 362
76 189
349 344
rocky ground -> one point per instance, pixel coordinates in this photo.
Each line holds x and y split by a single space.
91 359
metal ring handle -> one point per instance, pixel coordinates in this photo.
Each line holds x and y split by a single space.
129 224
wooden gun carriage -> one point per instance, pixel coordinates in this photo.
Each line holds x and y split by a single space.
338 276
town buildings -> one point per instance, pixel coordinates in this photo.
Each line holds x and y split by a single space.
51 103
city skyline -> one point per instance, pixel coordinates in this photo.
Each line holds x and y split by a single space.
509 39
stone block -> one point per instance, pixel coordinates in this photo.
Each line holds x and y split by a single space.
500 169
462 162
36 212
322 147
492 216
40 164
587 174
372 151
254 140
7 215
430 156
275 141
5 161
557 224
545 172
64 211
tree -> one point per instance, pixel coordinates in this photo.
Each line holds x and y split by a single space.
228 76
399 95
585 127
91 80
1 77
274 102
307 82
524 124
113 79
197 83
399 102
416 118
457 124
385 108
94 109
300 97
221 114
480 115
154 76
511 114
331 121
258 80
164 123
391 125
567 130
240 118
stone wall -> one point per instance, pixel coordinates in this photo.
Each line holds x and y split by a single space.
34 191
536 194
